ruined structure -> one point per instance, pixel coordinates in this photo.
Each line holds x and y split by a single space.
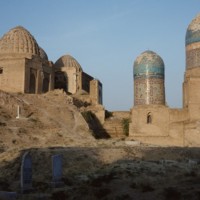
151 120
25 68
70 76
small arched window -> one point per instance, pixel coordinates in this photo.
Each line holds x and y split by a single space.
149 118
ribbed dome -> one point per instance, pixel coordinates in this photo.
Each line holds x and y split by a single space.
19 40
43 54
68 61
148 63
193 31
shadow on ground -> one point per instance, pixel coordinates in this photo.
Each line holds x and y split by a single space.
108 173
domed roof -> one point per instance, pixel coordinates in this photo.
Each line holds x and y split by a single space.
43 54
68 61
19 40
148 63
193 31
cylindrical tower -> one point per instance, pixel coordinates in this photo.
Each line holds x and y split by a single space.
191 91
192 43
149 77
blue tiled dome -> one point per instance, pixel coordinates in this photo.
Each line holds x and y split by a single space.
193 31
149 86
148 64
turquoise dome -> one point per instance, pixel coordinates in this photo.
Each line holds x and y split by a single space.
193 31
149 86
148 64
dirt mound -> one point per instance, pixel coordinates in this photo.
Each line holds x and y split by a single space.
45 120
50 124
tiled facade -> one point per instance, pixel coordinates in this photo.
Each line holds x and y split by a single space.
149 79
152 121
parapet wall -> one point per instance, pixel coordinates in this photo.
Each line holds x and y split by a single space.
121 114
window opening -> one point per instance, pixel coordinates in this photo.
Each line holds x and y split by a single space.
149 118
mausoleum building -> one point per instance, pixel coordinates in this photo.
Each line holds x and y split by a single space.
152 121
70 76
25 68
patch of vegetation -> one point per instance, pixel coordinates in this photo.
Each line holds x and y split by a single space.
125 124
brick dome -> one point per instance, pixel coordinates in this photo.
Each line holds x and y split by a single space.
19 40
68 61
43 54
193 31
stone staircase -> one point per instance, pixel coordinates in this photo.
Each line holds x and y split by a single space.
114 127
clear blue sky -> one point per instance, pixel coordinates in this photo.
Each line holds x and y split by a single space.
106 36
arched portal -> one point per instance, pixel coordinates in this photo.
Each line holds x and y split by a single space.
61 81
32 84
45 85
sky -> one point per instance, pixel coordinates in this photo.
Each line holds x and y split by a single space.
106 36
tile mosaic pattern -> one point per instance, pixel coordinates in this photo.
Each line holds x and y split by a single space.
193 31
193 58
149 79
